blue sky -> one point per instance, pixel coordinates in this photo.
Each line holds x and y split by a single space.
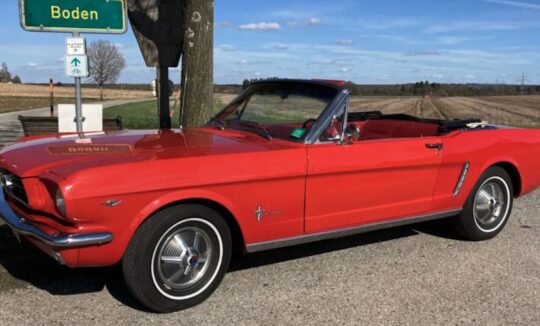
365 41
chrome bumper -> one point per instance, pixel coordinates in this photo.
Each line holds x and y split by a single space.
21 227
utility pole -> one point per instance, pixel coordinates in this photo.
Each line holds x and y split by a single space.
523 82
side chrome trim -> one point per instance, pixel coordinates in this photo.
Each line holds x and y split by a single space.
21 227
262 246
462 177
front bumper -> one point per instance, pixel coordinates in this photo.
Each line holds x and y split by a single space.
21 227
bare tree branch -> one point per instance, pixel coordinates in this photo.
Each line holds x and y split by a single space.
105 63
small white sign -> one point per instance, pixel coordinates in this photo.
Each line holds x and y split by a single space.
154 85
77 66
92 113
75 46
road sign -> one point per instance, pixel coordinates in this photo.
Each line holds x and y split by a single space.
75 46
149 19
89 16
77 66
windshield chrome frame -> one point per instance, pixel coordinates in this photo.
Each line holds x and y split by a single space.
341 98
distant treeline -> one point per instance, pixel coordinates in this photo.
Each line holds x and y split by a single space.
435 89
416 89
424 88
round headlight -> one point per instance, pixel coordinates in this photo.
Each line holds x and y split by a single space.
60 203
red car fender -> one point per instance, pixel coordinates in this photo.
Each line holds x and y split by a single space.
178 197
93 256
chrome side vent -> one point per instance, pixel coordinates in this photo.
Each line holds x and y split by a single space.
462 178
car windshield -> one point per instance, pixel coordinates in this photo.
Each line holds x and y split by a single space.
284 110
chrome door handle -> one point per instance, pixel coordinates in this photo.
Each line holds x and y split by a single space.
437 146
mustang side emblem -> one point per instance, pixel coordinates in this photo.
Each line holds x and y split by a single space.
112 203
260 212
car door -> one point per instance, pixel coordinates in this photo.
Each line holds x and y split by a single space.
370 181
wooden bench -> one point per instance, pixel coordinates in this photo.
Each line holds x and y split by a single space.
49 125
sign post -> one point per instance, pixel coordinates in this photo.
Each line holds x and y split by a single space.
51 96
77 67
74 16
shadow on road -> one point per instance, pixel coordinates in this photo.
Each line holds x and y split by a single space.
27 264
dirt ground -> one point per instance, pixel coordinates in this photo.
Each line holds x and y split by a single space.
519 111
415 275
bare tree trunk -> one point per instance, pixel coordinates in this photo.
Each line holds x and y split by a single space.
101 93
197 63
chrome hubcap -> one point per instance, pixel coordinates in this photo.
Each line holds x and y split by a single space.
490 204
184 258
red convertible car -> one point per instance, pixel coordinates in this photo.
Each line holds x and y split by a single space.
287 162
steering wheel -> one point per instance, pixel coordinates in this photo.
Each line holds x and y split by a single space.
305 125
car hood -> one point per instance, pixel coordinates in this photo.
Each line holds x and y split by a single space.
62 154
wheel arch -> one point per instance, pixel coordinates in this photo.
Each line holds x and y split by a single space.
230 219
514 174
219 206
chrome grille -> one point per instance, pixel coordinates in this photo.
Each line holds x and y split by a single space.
13 186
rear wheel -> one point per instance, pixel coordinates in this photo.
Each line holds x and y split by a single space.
488 207
177 258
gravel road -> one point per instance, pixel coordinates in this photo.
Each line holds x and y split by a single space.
419 275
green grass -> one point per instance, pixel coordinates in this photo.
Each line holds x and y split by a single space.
143 115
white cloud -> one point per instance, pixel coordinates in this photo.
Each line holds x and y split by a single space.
227 47
451 40
32 64
314 21
260 27
468 26
321 62
423 53
344 42
293 23
281 46
526 5
224 25
121 46
381 24
253 62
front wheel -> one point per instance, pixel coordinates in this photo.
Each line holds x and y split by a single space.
488 207
177 258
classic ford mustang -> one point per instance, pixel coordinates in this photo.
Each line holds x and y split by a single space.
286 163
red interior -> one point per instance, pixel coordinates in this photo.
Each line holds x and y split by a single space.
381 129
370 129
